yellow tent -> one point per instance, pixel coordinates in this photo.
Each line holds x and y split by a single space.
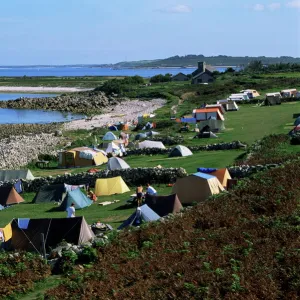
223 175
81 157
110 186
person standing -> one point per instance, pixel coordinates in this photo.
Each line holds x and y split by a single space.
139 194
71 211
151 190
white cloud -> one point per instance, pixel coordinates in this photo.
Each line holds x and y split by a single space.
274 6
259 7
294 4
177 9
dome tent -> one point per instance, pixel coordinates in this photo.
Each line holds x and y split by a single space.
109 136
78 198
116 163
180 151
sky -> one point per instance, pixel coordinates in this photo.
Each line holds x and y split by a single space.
109 31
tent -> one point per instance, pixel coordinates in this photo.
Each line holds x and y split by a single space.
197 187
81 157
214 125
140 136
116 163
113 128
78 198
180 151
72 230
164 205
202 114
297 122
272 99
151 144
8 175
251 93
231 106
110 186
49 193
206 134
115 149
8 196
152 133
143 214
109 136
219 106
222 175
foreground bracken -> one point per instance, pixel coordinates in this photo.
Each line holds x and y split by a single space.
243 245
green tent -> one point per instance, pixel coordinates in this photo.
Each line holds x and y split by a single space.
49 193
78 198
8 175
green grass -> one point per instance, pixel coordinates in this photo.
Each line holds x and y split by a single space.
113 214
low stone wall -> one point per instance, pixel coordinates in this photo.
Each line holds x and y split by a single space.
246 170
212 147
132 177
18 151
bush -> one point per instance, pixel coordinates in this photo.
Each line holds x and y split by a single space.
161 78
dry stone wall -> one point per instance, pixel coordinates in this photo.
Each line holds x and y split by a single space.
18 151
132 177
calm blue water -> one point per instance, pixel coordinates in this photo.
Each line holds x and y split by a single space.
90 71
31 116
14 96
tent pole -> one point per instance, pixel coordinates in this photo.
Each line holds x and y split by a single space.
43 245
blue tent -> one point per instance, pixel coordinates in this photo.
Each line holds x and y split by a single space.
206 170
18 186
113 128
142 214
297 121
78 198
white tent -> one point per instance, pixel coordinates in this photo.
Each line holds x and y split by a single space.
7 175
116 163
113 148
231 106
109 136
151 144
181 151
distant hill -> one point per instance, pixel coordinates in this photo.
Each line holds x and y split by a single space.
191 61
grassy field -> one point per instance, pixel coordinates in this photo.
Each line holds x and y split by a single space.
113 214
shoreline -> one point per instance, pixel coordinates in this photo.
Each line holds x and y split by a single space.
41 89
123 112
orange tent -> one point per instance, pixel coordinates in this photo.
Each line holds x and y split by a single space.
8 196
223 175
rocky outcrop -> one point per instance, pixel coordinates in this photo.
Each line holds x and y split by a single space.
17 151
82 102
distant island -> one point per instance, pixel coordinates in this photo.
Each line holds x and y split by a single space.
192 60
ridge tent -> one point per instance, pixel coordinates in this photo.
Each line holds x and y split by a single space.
114 149
140 136
232 106
113 128
272 99
197 187
142 214
78 198
109 136
180 151
49 193
164 205
81 157
151 144
205 135
219 106
8 196
110 186
72 230
8 175
116 163
222 175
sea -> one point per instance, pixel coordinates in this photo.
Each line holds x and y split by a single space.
62 71
28 116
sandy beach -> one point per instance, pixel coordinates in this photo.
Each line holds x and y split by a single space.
41 89
123 112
